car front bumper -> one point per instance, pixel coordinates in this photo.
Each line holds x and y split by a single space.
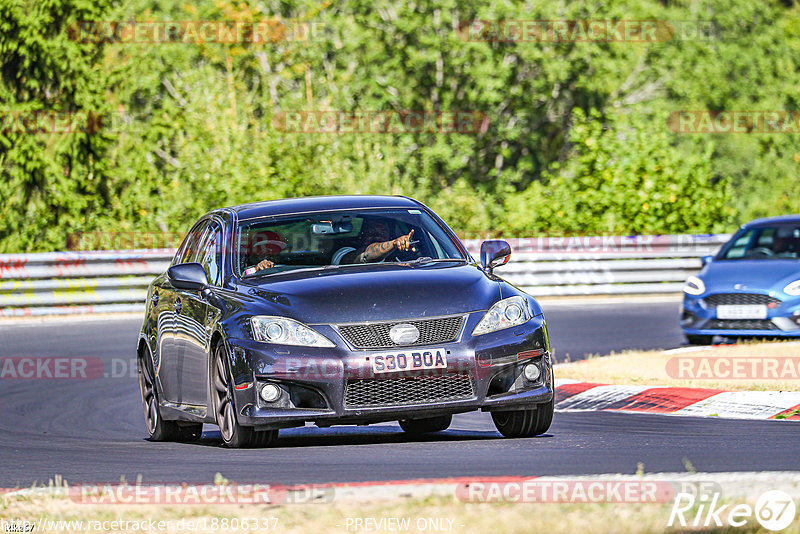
697 318
484 372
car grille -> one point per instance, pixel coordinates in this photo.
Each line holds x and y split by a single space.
376 335
725 299
741 324
407 390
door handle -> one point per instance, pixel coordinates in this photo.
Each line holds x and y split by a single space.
177 304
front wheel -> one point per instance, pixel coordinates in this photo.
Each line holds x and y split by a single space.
426 425
233 434
524 423
158 428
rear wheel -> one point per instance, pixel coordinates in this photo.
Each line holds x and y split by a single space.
233 434
426 425
157 426
699 340
524 423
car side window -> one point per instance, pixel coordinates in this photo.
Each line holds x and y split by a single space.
191 244
210 256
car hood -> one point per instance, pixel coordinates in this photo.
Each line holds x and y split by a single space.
373 292
765 275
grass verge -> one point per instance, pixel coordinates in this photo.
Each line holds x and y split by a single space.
431 514
752 366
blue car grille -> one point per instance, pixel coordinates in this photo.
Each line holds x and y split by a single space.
376 335
741 324
376 392
747 299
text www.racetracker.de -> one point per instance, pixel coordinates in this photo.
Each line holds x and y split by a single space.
198 524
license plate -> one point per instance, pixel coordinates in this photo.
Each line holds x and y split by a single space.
409 360
742 312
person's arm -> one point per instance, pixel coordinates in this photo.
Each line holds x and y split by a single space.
378 251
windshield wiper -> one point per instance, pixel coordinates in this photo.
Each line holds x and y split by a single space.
428 259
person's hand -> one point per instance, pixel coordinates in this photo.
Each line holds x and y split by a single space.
404 241
264 264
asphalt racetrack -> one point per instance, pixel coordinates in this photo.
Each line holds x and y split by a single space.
93 430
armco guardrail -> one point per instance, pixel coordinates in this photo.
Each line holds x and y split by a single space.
605 265
57 283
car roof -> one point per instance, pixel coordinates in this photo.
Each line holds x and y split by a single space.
766 221
287 206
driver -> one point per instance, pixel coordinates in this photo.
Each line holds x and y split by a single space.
271 244
376 244
782 246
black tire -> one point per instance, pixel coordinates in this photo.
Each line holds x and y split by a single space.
700 340
427 425
233 434
524 423
159 428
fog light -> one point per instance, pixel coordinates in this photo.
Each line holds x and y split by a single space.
796 316
270 392
688 318
531 372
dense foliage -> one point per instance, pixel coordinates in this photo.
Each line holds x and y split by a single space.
577 140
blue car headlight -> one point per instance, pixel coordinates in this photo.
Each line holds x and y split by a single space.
505 313
285 331
793 289
694 286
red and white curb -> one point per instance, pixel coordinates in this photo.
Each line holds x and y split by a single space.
572 395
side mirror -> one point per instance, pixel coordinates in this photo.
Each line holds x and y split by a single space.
188 276
705 260
494 253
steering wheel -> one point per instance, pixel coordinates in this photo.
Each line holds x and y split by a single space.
762 251
406 255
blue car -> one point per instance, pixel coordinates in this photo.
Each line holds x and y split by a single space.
345 310
751 288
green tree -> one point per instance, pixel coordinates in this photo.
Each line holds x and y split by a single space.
49 182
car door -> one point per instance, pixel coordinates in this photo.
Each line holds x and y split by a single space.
163 317
170 301
194 320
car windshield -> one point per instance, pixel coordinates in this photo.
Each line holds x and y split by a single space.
764 243
323 239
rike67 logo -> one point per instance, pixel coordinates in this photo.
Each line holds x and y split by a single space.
774 510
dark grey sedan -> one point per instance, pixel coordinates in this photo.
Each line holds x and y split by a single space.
335 311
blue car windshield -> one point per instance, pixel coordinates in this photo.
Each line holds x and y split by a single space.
277 244
764 243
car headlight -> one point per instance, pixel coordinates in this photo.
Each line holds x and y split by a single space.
285 331
694 286
504 314
793 289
